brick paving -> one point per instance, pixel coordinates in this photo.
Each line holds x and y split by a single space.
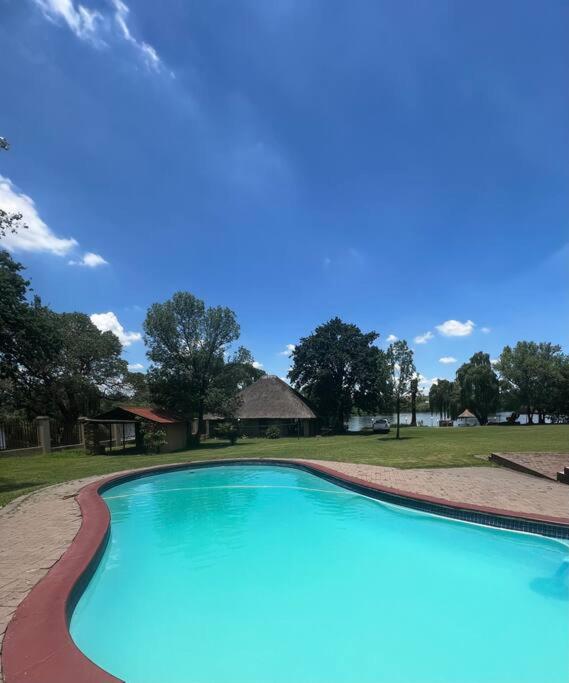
36 529
485 486
541 464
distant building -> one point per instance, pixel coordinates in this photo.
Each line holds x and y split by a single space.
467 419
122 425
271 402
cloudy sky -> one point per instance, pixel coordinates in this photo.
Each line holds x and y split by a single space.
400 164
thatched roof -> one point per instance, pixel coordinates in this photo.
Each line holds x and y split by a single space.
271 398
466 413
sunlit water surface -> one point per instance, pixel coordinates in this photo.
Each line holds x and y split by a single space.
265 574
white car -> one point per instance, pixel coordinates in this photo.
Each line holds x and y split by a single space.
380 426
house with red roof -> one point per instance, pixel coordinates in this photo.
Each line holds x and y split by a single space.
123 424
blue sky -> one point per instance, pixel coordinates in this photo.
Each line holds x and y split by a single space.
400 164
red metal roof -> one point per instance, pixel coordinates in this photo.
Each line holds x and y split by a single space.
153 414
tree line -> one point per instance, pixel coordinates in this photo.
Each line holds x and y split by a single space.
530 378
62 365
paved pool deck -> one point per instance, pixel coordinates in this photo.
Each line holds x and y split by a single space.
36 529
539 464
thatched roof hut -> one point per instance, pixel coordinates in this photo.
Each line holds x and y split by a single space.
272 402
270 397
467 419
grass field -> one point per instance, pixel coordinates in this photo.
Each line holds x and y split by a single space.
418 447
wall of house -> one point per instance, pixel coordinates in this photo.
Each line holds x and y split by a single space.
257 428
176 437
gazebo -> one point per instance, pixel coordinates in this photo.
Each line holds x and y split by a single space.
467 419
120 427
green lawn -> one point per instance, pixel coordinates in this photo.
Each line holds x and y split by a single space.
419 447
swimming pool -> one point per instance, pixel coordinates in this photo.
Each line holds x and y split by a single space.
270 574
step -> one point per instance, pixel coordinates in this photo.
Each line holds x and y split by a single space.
563 477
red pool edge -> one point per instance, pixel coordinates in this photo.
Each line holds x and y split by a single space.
38 647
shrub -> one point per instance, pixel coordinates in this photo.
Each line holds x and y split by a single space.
273 433
153 437
227 431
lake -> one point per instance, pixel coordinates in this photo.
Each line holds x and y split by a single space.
357 423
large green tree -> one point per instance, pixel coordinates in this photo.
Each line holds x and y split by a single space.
51 363
558 408
10 222
336 369
531 374
444 399
479 386
402 371
188 344
413 392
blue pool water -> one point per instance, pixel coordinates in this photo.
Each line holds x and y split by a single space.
266 574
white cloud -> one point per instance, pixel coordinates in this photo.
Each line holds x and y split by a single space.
82 21
454 328
108 322
447 360
392 338
37 236
147 52
288 350
485 330
94 26
135 367
424 338
90 260
257 365
425 383
494 361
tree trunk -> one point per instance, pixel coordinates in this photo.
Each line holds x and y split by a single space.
413 410
398 408
340 418
541 418
201 422
530 416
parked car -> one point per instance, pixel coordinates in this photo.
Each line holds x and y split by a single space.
380 426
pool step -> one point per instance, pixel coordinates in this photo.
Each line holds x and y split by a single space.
563 477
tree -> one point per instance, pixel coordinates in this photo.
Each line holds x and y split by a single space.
402 370
13 304
187 344
530 373
558 408
384 384
240 370
336 369
78 365
133 388
9 222
444 399
479 386
57 364
414 390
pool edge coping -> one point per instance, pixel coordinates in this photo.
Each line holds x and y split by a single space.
38 647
